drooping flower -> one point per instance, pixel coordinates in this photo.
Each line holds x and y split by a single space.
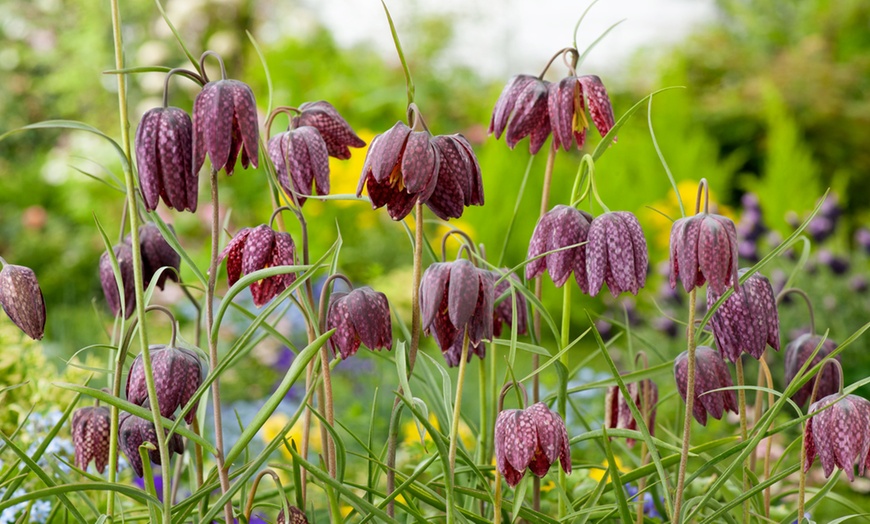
533 438
704 249
336 132
526 98
124 256
616 254
747 321
567 111
164 157
711 373
839 434
456 297
257 248
503 311
617 414
559 228
459 182
796 354
224 125
156 253
301 160
133 432
297 516
90 432
178 372
21 298
360 316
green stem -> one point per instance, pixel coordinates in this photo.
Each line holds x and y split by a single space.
496 516
563 396
493 368
454 429
741 400
483 405
690 402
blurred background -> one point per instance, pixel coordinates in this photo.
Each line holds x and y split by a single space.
772 111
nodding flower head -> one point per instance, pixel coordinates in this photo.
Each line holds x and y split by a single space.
711 373
21 298
704 249
503 312
124 256
332 127
747 321
456 297
133 432
838 432
526 98
533 438
178 373
164 157
297 516
360 316
258 248
156 253
796 354
301 161
224 125
567 111
616 254
617 413
90 432
559 228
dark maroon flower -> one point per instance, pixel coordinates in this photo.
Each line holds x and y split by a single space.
567 111
533 438
133 432
796 354
297 516
839 435
617 414
362 315
503 311
156 253
456 297
616 254
164 157
704 248
711 373
336 132
225 124
525 97
258 248
560 227
124 255
21 298
459 183
301 160
90 432
178 372
747 321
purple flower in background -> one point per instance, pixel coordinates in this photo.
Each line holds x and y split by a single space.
617 413
616 254
525 101
748 320
704 249
503 311
796 354
297 516
362 315
332 127
301 159
649 506
21 298
711 373
258 248
839 435
124 255
156 253
567 111
533 438
838 265
164 157
178 373
224 125
862 238
90 432
559 228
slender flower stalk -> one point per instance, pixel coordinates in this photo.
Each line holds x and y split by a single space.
563 400
454 428
690 402
741 402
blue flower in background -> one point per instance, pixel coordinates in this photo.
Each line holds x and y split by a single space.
649 507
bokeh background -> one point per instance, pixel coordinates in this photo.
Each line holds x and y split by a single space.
772 111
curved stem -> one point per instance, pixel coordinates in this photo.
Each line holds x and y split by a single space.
454 428
219 59
559 53
249 506
584 173
703 186
741 401
415 119
690 401
198 307
183 72
504 391
289 111
457 232
324 293
801 293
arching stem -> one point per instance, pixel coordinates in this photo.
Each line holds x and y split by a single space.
801 293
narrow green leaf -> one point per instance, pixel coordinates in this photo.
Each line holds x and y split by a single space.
76 126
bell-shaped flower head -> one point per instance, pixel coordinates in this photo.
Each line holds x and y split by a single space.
178 372
617 414
124 256
704 249
616 254
502 313
90 432
301 161
711 373
258 248
796 354
747 321
534 438
21 298
459 183
559 228
156 253
522 110
360 316
133 432
332 127
297 516
456 297
164 158
567 110
838 432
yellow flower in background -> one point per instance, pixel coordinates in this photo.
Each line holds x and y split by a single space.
410 434
660 226
344 175
598 474
272 430
345 510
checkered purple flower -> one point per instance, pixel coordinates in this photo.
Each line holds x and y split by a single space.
503 311
297 516
560 227
178 372
332 127
257 248
567 110
224 125
156 253
360 316
704 249
837 433
711 373
90 432
133 432
523 101
616 254
164 157
21 298
301 161
748 320
533 438
124 255
796 354
617 413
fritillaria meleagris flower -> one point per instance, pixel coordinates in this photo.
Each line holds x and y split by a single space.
21 298
225 124
567 111
90 432
257 248
297 516
502 312
704 249
523 101
301 161
178 372
156 253
133 432
711 373
360 316
796 354
533 438
839 435
616 254
124 255
403 167
336 132
617 414
747 321
455 297
164 156
560 227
